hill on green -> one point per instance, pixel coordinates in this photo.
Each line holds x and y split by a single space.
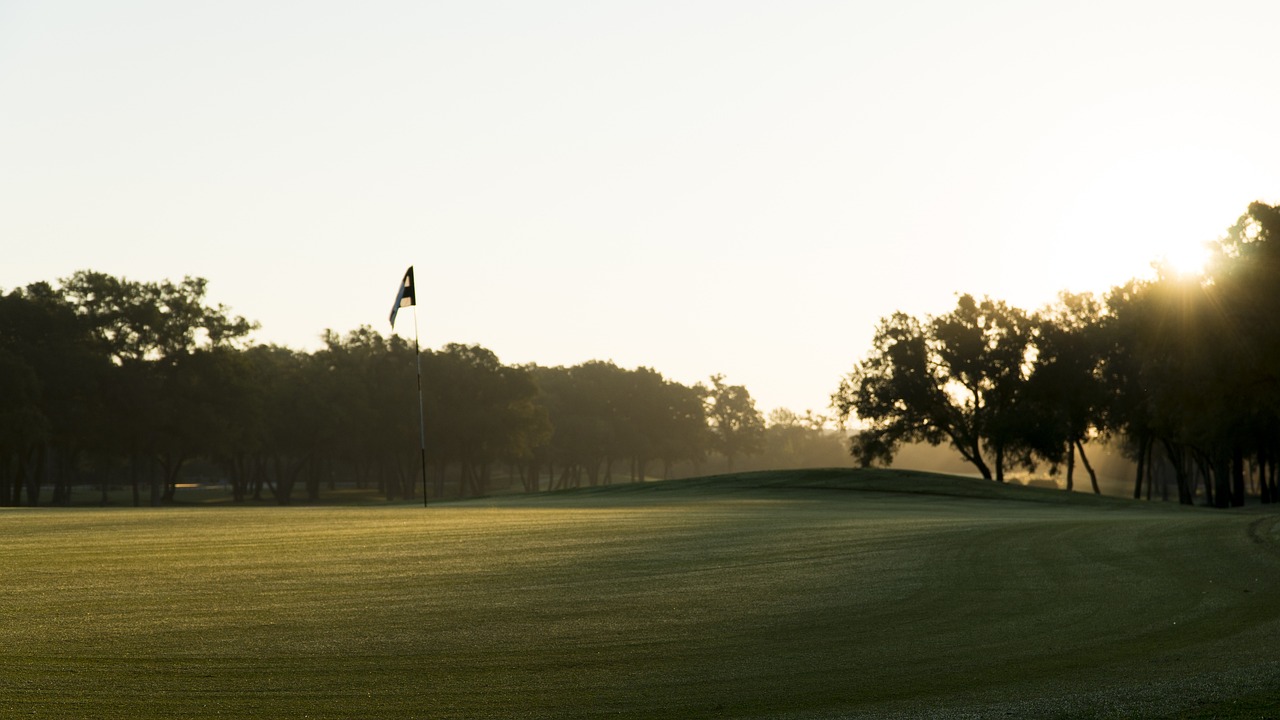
809 594
907 482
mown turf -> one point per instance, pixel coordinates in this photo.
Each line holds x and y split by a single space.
804 595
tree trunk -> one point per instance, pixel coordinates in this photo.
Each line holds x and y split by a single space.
153 484
1152 475
20 478
972 453
1164 481
1142 460
1269 469
1186 490
1237 477
239 477
1071 466
1093 476
529 476
61 477
36 478
1264 476
466 479
1264 495
1204 470
384 485
1221 481
287 473
314 468
133 480
5 464
413 472
442 468
975 456
259 476
172 468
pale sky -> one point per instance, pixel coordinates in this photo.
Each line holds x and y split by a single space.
700 187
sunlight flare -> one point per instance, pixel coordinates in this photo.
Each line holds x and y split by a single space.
1187 261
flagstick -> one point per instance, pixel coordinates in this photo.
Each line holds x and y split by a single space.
422 421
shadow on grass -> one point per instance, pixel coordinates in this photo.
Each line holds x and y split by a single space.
816 484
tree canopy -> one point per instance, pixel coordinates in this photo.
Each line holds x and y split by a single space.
1184 365
125 384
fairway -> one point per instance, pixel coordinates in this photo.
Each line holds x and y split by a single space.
819 594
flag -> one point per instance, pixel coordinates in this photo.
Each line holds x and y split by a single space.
406 296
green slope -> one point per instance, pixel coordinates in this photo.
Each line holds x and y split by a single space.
864 480
810 594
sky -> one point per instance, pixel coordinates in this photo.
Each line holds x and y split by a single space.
706 186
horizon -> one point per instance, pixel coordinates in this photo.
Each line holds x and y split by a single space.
699 189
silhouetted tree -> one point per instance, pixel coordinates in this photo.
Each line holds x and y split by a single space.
600 413
682 433
23 429
958 378
1065 397
792 441
40 330
737 427
483 412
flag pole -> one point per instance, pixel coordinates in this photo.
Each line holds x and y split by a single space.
407 296
422 418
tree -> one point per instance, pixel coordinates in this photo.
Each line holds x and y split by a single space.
600 413
23 429
1242 280
1065 397
958 378
147 330
792 440
682 434
151 320
484 412
1192 367
580 413
737 428
40 330
898 397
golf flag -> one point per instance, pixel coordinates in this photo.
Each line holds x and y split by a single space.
405 297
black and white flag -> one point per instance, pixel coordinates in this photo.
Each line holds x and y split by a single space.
405 297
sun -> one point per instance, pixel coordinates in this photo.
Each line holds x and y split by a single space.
1186 260
1105 241
1145 213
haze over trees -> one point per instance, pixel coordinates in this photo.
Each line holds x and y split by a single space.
1181 371
115 383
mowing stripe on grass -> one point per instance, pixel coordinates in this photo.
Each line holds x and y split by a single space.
755 596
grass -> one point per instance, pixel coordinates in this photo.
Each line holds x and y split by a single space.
817 594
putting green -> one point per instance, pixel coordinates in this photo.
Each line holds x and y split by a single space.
804 595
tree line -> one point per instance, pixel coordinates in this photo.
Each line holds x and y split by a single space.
1182 372
112 383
